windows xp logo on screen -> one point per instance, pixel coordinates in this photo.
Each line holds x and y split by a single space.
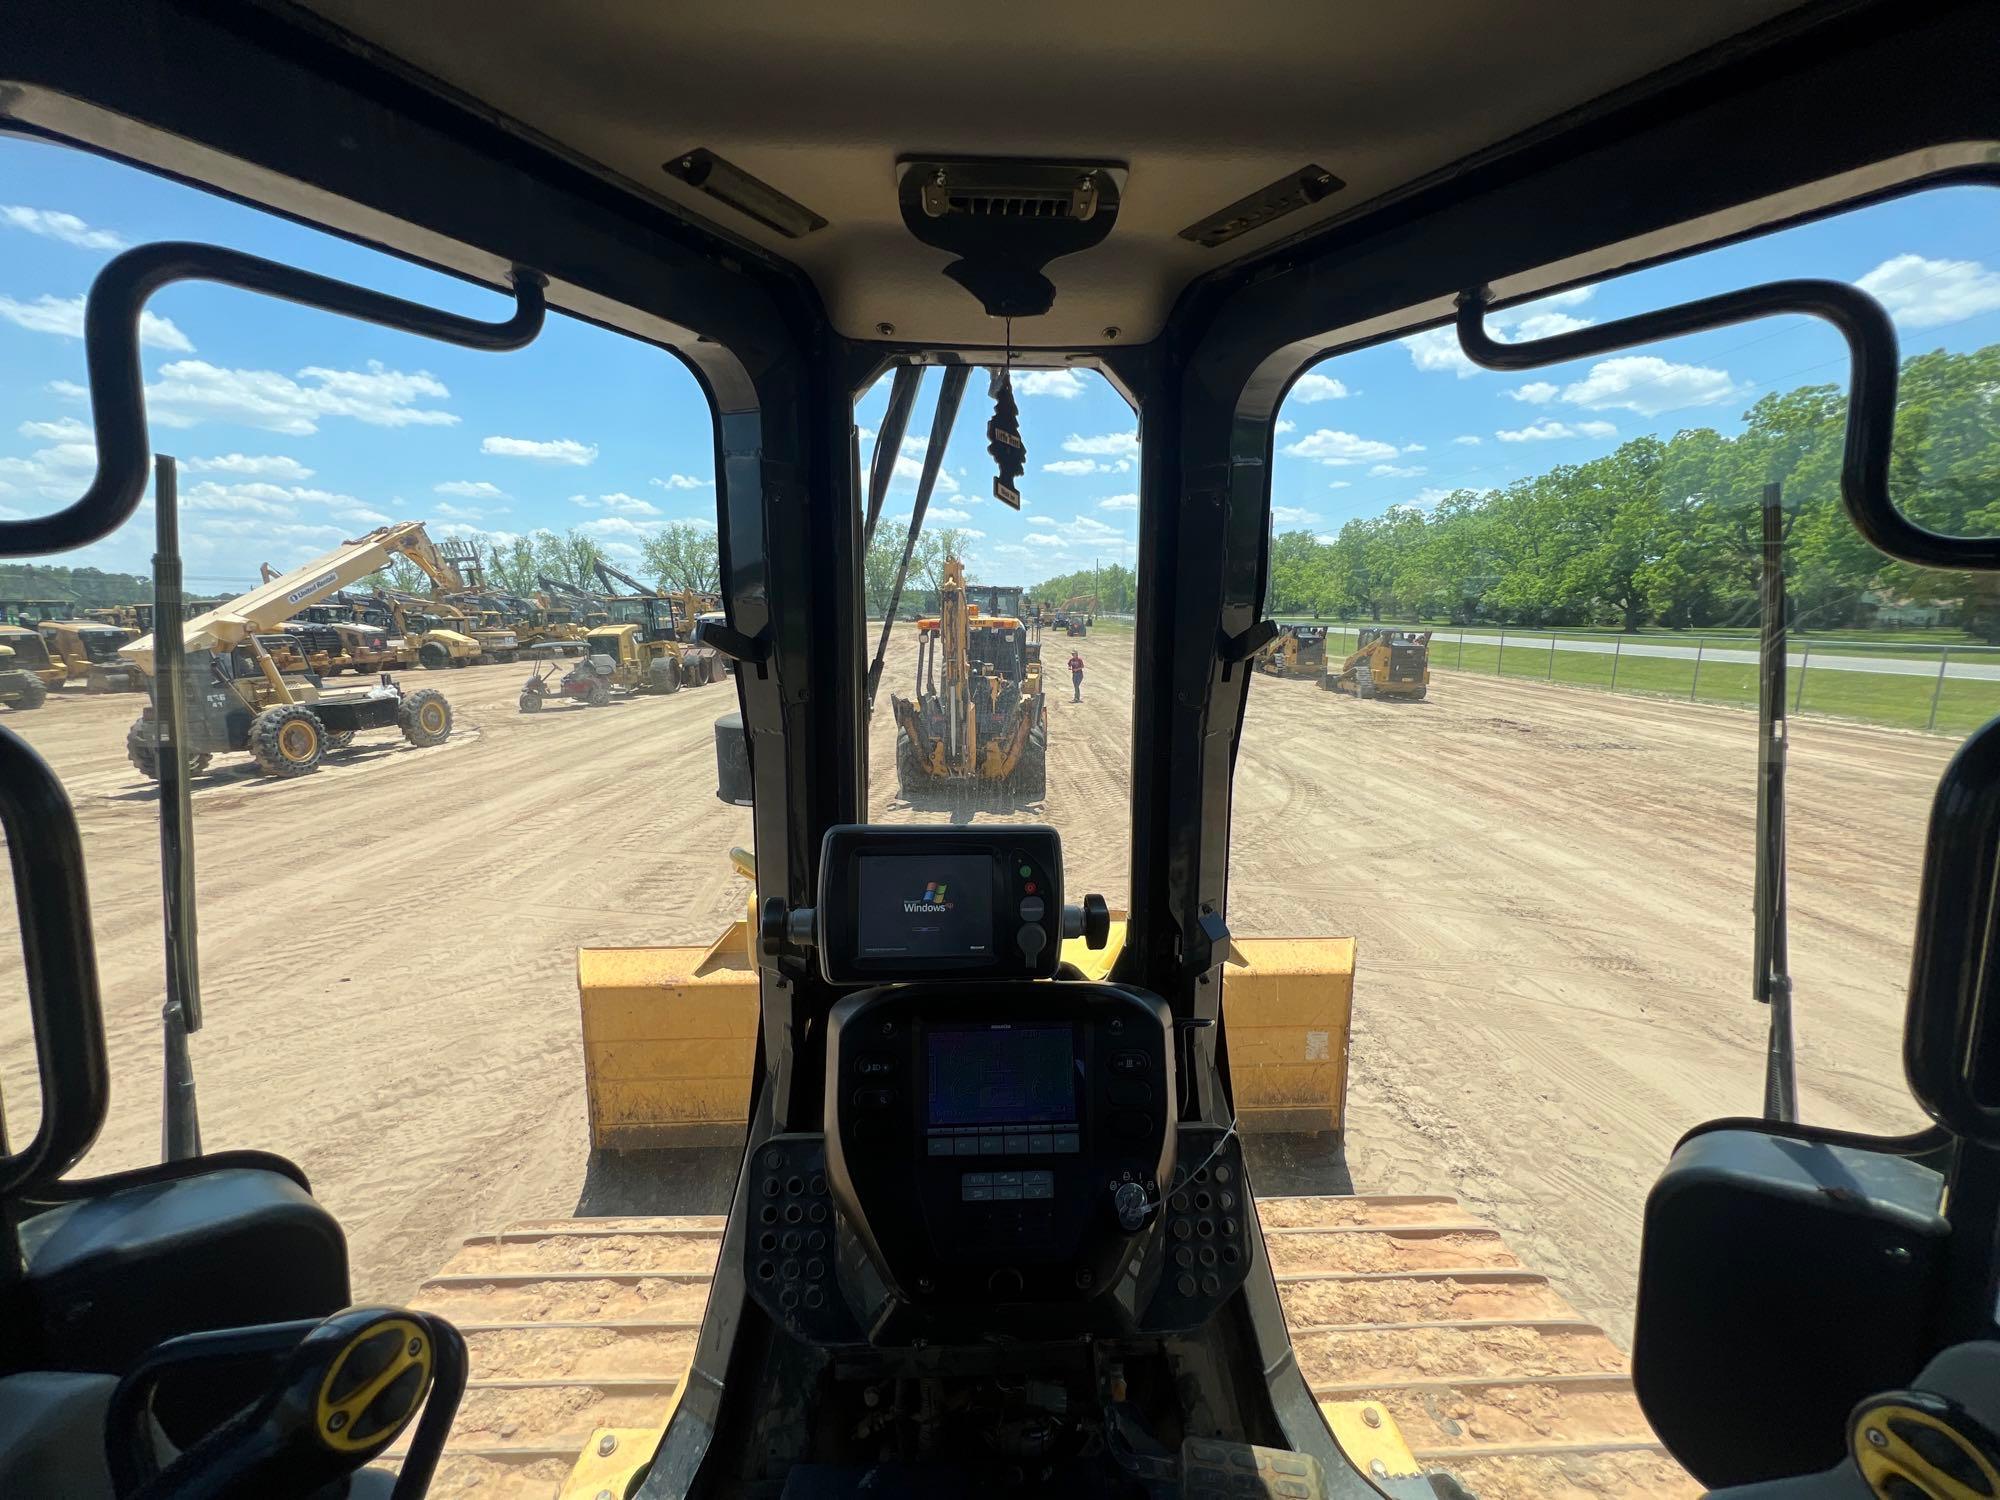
933 899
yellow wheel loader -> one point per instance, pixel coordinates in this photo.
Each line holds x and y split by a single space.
992 1225
20 688
1386 663
977 721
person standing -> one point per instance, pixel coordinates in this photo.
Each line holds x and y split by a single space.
1076 675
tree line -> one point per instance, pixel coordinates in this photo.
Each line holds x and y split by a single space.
1669 531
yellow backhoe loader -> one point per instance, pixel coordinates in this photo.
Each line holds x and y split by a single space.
977 720
238 696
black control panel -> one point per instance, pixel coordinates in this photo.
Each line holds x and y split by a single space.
939 903
978 1139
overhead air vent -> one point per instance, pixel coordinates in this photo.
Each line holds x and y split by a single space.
1289 194
1005 220
728 183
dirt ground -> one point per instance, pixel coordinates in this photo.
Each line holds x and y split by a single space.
1550 888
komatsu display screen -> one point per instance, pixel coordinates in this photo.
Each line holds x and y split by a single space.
1001 1075
924 905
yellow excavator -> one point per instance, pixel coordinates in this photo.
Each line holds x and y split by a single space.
977 719
239 697
992 1226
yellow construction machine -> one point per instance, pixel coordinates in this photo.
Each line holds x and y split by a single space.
88 651
977 720
239 695
434 635
1385 663
1296 651
645 656
29 652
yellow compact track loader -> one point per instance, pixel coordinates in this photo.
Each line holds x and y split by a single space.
1002 1196
1386 663
1297 651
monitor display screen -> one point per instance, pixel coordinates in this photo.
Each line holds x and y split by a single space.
924 906
1002 1075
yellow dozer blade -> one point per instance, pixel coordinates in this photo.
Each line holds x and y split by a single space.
670 1035
1404 1310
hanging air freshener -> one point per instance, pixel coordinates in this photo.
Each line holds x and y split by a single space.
1003 439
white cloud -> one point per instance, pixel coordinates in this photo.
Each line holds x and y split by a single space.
1396 471
1415 448
1330 447
1468 440
946 513
55 225
1065 384
1535 392
62 430
1543 326
552 450
1428 497
1045 539
460 512
1922 293
64 316
1292 515
250 466
1551 429
1314 387
1285 427
1437 348
1119 502
1341 484
1649 385
683 482
1090 530
1075 466
1105 445
910 471
56 472
618 526
280 502
191 391
617 502
470 489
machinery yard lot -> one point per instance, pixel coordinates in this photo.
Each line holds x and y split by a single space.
1550 888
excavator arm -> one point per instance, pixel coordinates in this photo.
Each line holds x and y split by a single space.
277 599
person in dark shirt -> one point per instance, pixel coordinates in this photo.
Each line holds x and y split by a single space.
1076 675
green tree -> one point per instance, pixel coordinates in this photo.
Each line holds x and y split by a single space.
684 557
570 557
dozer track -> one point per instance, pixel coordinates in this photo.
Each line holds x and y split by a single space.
575 1325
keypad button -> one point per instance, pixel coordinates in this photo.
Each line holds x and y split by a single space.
990 1145
939 1145
965 1145
1041 1145
1068 1142
1007 1194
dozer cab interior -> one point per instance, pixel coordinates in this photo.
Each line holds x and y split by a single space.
1100 1302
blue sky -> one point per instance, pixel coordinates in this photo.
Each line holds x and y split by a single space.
297 429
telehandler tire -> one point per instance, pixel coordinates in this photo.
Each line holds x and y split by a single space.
143 751
425 718
432 656
287 741
339 739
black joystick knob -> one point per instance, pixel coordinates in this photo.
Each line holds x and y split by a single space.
1133 1205
1096 922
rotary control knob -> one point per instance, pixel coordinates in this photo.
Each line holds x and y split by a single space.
1132 1205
